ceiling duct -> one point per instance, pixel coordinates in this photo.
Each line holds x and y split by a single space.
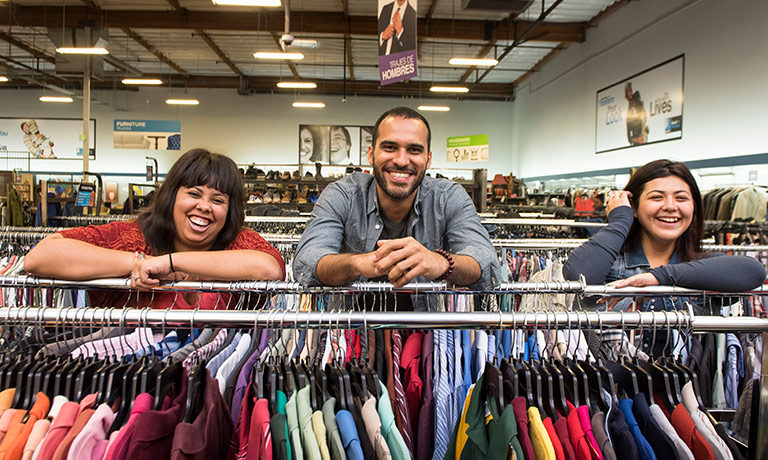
508 6
78 37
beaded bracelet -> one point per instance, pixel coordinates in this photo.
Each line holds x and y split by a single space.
447 272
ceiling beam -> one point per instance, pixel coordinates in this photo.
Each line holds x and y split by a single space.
155 51
38 53
279 43
607 11
484 91
211 44
304 22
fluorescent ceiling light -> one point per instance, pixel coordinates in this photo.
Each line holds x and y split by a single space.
309 105
473 61
304 43
449 89
3 78
89 50
55 99
277 55
269 3
434 108
182 101
142 81
297 84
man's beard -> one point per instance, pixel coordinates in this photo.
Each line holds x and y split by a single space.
396 193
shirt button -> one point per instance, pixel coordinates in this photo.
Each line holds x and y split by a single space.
377 226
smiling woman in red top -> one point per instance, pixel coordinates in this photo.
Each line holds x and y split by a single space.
192 230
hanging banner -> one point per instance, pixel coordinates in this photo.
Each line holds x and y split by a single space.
642 109
46 138
468 148
334 144
147 134
397 40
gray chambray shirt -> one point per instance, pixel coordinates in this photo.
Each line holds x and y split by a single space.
346 219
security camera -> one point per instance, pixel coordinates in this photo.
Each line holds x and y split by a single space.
287 39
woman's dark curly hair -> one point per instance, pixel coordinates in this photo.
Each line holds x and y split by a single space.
194 168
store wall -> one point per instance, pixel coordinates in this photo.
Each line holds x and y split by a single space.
260 128
725 86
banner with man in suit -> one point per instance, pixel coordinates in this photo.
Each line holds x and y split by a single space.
397 40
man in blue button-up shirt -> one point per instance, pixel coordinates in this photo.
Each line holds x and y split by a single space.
388 226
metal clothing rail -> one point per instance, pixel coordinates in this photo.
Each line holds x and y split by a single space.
495 220
431 287
378 320
571 243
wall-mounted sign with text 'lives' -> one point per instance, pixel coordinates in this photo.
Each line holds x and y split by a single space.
642 109
147 134
397 40
468 148
46 138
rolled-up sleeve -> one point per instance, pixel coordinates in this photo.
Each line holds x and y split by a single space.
322 235
466 236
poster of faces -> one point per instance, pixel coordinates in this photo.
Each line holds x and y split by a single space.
334 144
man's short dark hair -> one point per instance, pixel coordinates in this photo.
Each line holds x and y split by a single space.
402 112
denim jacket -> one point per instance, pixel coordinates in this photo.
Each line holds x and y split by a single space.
634 262
347 219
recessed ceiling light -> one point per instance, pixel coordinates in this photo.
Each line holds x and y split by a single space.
297 84
55 99
434 108
182 101
277 55
82 50
142 81
473 61
268 3
449 89
304 43
3 78
308 105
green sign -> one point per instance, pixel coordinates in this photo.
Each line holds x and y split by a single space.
468 148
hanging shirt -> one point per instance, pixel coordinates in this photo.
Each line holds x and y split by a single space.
734 371
209 434
662 445
278 426
294 434
332 434
61 424
21 426
601 436
35 437
542 446
425 441
521 416
94 431
349 435
304 412
153 433
118 448
373 428
644 448
683 451
621 437
259 435
586 425
685 427
397 447
719 448
561 428
552 434
318 426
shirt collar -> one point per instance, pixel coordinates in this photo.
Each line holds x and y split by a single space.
635 257
373 199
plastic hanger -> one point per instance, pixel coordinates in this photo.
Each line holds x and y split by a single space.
196 380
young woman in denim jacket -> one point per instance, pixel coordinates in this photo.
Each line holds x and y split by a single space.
653 237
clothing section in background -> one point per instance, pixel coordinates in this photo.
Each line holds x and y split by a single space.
736 203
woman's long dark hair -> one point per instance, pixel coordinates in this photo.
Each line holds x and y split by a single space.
194 168
688 245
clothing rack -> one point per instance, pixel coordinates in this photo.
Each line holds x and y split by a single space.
378 319
431 287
